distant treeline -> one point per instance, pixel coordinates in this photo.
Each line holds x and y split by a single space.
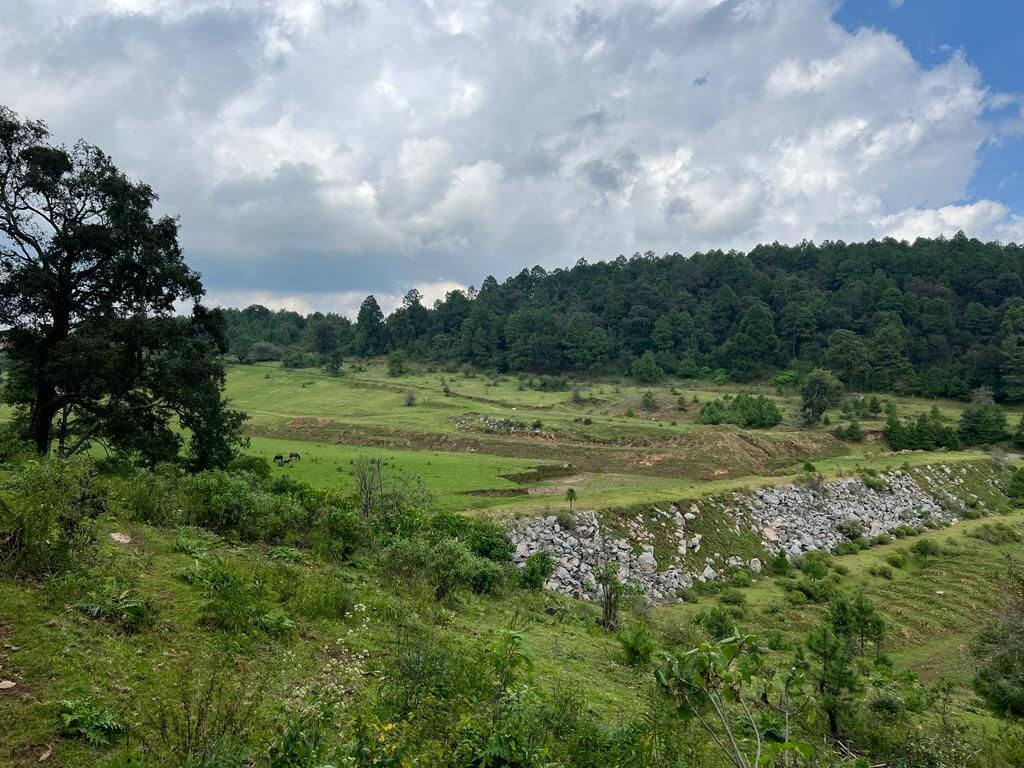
937 317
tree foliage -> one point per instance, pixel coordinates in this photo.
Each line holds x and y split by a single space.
90 280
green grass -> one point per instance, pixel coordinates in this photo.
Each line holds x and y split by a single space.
448 475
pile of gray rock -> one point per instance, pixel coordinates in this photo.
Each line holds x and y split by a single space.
791 519
797 519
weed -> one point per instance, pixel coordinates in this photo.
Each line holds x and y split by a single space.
637 645
120 605
83 719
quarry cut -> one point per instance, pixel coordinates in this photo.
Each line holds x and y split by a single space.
791 518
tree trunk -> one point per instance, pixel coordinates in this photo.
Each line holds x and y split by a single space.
43 411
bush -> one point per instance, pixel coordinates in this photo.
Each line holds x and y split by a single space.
81 718
995 534
537 570
236 602
925 548
409 400
397 364
814 564
796 597
46 518
446 565
732 596
215 500
257 466
747 411
648 402
882 571
637 645
117 604
897 559
718 622
148 497
338 533
852 528
297 359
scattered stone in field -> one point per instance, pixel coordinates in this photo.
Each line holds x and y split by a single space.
121 538
6 685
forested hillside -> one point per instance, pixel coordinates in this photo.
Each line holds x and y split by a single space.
936 317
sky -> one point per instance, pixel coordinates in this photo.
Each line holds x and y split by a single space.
319 150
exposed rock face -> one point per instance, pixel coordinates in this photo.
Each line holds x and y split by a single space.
791 519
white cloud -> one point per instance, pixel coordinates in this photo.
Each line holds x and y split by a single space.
318 150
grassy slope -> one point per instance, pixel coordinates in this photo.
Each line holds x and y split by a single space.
617 460
933 608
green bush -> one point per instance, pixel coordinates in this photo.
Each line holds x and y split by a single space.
81 718
237 602
537 570
796 597
637 645
117 604
216 500
882 571
46 517
258 466
339 533
897 559
925 548
996 533
446 565
743 410
732 596
717 621
148 497
814 564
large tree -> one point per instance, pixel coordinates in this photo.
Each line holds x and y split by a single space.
90 282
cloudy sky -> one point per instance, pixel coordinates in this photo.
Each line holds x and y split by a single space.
318 150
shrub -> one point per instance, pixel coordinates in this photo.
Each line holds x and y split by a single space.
537 570
648 401
796 597
339 533
995 534
637 645
397 363
120 605
847 548
46 519
747 411
814 564
717 621
779 565
732 596
83 719
257 466
238 603
446 565
882 571
852 528
409 400
297 359
897 559
925 548
216 500
145 496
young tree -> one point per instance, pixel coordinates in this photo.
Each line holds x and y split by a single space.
87 299
646 369
570 496
821 390
834 674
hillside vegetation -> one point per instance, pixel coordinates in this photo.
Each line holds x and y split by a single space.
935 317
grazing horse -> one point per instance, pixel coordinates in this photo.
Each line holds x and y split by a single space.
278 458
294 455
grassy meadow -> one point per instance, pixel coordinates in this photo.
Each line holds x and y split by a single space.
475 446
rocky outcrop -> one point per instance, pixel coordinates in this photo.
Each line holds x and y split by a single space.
791 519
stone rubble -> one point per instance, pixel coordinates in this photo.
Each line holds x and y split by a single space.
791 519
